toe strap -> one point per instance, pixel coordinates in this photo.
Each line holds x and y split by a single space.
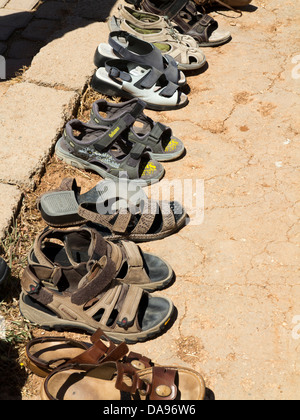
162 386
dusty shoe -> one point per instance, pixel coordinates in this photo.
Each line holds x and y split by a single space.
64 299
117 210
159 31
105 151
184 16
77 247
45 354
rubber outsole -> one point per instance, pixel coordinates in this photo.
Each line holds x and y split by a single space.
84 165
216 43
49 323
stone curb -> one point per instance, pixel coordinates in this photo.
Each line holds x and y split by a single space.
34 111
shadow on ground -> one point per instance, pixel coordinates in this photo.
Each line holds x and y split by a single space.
13 376
23 34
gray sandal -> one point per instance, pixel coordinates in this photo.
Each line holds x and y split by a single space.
103 150
129 47
158 139
126 79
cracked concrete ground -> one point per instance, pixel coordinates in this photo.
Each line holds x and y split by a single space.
237 288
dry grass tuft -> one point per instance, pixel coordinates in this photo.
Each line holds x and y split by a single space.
15 248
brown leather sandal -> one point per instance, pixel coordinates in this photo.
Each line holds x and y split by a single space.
45 354
119 381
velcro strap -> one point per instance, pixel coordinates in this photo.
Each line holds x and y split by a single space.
191 7
32 285
206 20
98 246
133 255
114 132
138 108
137 150
129 307
157 131
169 90
115 73
99 277
135 155
149 80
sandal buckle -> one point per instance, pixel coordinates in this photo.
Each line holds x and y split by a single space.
34 289
124 323
114 72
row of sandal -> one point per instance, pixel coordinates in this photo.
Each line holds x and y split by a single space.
86 271
81 279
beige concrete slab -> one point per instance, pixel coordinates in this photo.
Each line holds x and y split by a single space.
31 118
66 61
11 198
21 5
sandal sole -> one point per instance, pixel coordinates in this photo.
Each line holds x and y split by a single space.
50 322
107 89
60 209
216 43
167 157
